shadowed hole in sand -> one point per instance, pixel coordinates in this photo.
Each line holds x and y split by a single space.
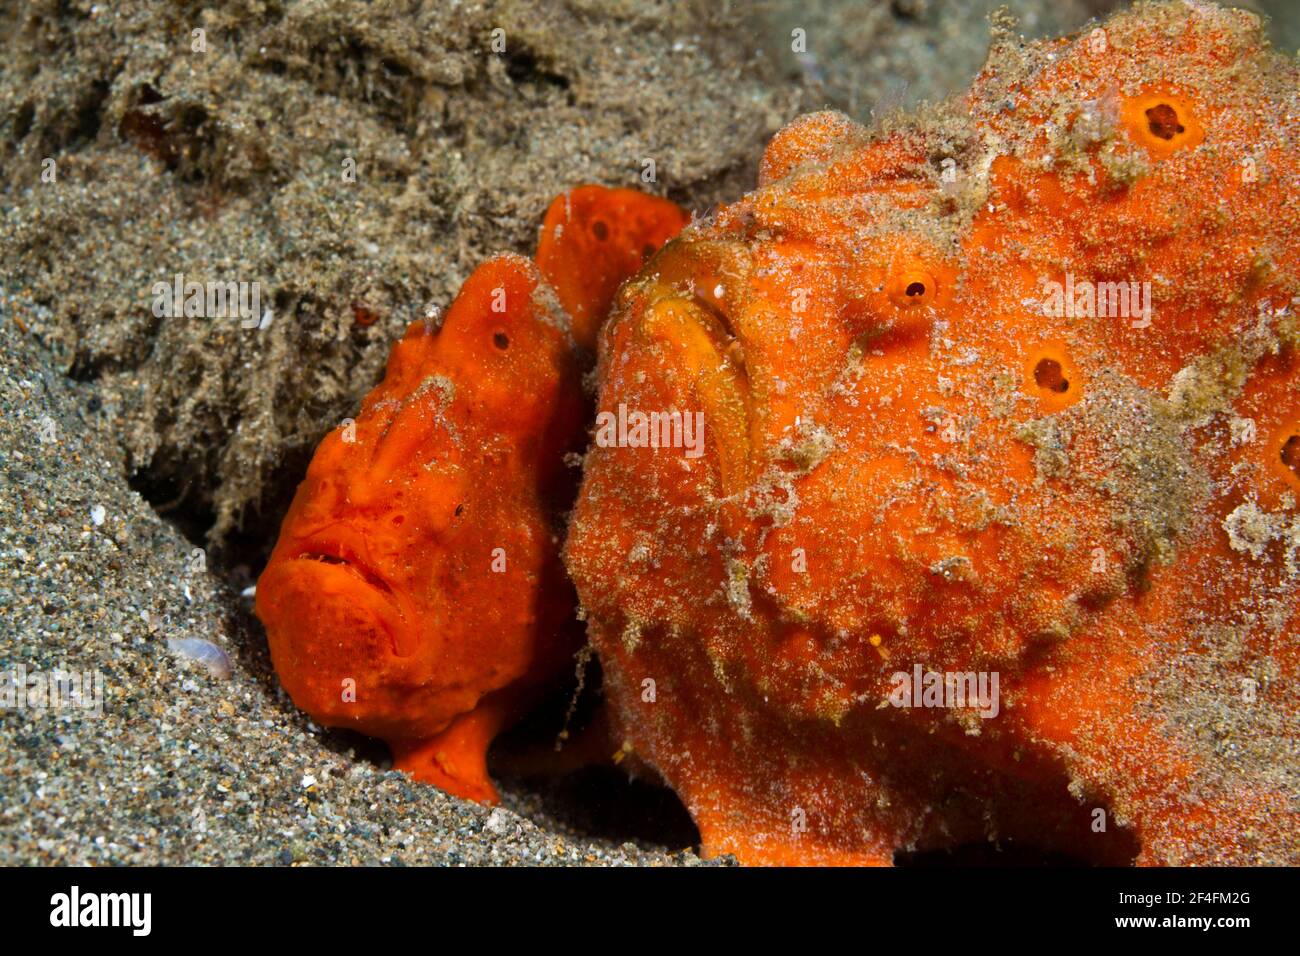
23 116
594 802
523 66
176 501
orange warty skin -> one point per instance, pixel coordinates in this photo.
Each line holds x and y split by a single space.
416 592
912 459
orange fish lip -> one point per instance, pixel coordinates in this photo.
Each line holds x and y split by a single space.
338 554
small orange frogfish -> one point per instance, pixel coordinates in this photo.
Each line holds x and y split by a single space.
988 527
416 593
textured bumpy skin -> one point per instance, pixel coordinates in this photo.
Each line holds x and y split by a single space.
416 592
912 459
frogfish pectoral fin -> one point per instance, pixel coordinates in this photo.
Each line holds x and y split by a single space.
455 760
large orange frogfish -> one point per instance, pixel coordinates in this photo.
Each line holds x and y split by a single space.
987 529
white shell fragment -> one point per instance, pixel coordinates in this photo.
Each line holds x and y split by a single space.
212 657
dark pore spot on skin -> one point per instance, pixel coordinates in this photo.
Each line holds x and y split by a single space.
501 341
1162 120
1291 454
600 230
1048 375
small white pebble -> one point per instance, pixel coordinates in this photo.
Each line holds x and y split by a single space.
97 515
